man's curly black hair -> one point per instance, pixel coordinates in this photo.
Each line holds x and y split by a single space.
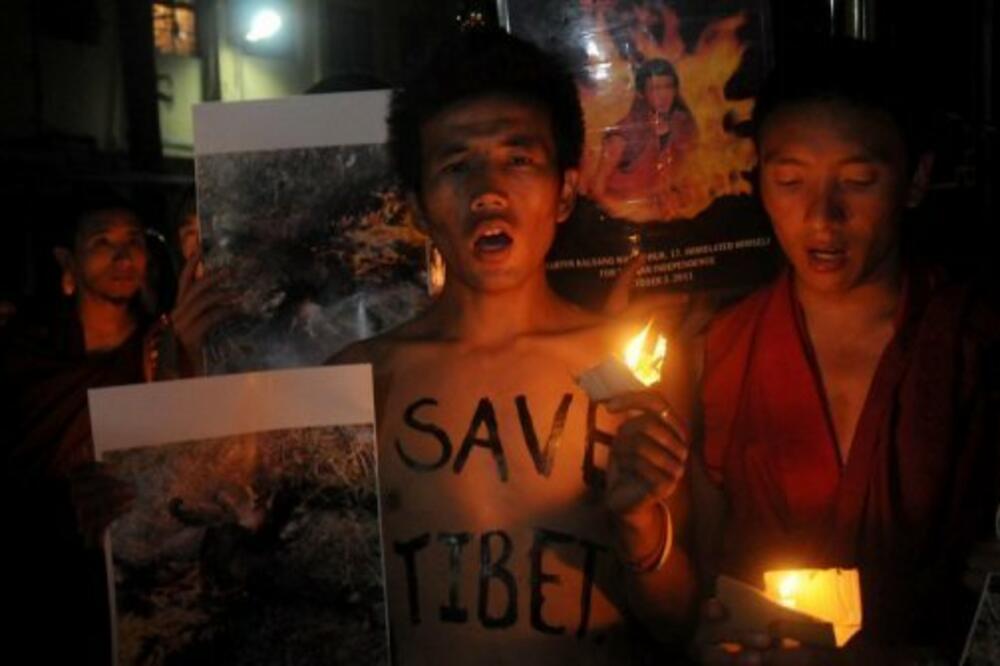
477 63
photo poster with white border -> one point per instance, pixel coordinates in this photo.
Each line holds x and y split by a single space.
300 214
667 163
254 537
982 646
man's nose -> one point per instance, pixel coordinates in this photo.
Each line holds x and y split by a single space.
124 252
487 190
827 205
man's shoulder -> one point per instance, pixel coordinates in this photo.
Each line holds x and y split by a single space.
380 349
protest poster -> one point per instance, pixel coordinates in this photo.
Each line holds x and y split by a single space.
667 91
300 215
254 536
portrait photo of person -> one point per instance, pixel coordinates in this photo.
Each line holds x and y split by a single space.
637 154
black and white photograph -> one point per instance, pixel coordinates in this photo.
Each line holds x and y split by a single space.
257 547
300 214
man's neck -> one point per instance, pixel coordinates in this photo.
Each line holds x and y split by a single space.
106 324
493 319
876 300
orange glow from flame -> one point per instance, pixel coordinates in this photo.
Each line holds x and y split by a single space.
789 584
827 595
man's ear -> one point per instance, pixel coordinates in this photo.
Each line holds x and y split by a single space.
67 280
413 200
920 180
63 257
567 194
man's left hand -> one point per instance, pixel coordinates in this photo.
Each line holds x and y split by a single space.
646 466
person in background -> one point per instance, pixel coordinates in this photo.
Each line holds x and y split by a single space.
58 501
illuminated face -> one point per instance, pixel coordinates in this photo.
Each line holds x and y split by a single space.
660 92
109 260
491 193
834 183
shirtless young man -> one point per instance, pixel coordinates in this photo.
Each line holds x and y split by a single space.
850 411
494 467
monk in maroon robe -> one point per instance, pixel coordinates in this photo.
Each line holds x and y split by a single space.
850 408
57 501
921 480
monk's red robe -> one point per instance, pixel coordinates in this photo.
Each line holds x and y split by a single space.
921 481
55 587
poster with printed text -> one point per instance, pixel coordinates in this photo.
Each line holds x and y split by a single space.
254 535
667 90
300 216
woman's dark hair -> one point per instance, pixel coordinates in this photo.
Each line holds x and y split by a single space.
477 63
659 67
651 68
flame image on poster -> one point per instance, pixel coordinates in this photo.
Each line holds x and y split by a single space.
661 145
667 91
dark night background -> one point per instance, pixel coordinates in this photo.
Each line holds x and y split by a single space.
88 100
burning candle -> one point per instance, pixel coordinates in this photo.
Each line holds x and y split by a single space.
643 359
826 595
788 586
639 366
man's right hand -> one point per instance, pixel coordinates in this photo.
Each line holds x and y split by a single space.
173 348
202 304
98 499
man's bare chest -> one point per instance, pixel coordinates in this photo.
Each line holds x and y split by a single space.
491 473
847 368
491 429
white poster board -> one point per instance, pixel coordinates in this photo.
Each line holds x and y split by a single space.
299 209
254 536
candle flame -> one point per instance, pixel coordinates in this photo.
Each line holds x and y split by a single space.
827 595
788 587
646 365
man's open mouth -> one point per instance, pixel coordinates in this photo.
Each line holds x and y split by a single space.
827 258
492 240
